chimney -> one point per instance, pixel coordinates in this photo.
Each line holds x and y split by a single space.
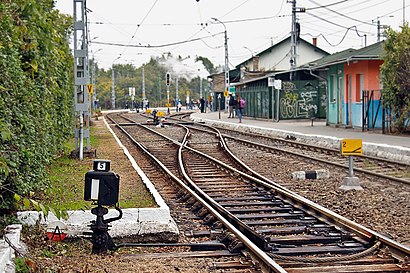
314 41
255 63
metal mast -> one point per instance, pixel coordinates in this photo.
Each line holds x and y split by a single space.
81 77
293 42
143 83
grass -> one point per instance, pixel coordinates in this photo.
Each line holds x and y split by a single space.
66 190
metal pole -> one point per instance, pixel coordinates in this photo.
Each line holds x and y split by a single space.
200 87
113 84
112 88
176 93
168 98
378 29
227 83
143 82
293 42
351 166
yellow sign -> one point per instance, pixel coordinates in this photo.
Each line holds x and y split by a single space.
148 111
90 88
351 147
160 114
226 93
168 104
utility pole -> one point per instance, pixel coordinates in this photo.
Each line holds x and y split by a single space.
112 88
81 77
113 84
143 83
200 87
176 92
293 38
378 29
293 42
226 62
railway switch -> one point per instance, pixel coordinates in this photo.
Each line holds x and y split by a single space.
102 188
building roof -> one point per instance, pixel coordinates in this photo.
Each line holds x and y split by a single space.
371 52
285 40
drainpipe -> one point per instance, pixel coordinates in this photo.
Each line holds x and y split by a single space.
327 92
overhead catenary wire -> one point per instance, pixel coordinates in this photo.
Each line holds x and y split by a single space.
156 46
328 5
343 15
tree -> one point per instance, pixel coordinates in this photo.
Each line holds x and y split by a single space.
395 73
207 63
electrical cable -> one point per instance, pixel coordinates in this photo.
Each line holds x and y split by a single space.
156 46
328 5
234 9
338 13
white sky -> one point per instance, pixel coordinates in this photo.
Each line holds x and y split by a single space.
158 22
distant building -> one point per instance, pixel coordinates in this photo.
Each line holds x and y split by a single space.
353 79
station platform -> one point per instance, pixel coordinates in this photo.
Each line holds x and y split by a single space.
375 143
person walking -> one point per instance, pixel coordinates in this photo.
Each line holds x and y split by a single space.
240 104
231 105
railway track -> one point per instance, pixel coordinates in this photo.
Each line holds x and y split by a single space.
379 167
268 219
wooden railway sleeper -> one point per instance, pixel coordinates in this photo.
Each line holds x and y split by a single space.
405 264
236 246
191 201
202 212
209 219
185 197
196 207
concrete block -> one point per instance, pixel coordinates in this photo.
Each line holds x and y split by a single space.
316 174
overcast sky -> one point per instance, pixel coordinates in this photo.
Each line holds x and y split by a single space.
252 26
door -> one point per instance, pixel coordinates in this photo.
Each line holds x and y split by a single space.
349 100
340 100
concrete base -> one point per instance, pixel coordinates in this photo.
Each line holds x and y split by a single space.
350 183
144 224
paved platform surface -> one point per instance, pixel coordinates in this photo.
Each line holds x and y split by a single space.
374 142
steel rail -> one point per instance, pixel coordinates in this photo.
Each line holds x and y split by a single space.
398 250
397 179
295 143
316 208
269 262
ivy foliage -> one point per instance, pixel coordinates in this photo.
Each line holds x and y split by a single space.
36 94
396 80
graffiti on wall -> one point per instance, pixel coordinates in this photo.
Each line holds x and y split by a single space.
299 105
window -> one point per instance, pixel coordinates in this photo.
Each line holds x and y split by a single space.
359 87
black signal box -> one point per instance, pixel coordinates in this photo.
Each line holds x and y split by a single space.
102 187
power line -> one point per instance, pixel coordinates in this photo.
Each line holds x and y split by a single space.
156 46
338 13
234 8
143 19
328 5
344 36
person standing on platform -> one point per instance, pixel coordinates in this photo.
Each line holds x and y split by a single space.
240 104
202 105
231 104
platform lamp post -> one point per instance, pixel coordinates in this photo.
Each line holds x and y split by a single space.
226 60
113 84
